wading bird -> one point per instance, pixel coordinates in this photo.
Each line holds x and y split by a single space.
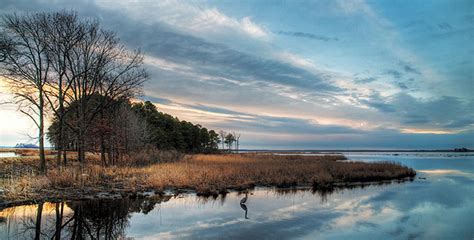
244 200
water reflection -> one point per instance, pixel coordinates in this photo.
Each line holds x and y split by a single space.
7 154
109 219
93 219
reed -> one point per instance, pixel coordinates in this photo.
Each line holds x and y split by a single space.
207 174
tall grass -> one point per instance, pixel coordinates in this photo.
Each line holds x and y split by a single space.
206 174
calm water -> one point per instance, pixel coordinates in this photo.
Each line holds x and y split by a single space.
438 207
7 154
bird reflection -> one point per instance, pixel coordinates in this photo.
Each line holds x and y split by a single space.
242 204
244 207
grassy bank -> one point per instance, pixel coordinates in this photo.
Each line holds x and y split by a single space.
205 174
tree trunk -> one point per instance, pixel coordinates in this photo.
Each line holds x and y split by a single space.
58 157
43 169
102 141
81 131
81 150
110 155
59 148
60 144
102 151
64 157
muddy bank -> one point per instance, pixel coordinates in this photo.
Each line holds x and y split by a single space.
61 195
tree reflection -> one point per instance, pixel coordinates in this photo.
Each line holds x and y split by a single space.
108 219
39 214
59 210
92 219
99 219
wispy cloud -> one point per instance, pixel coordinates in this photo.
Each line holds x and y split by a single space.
198 19
307 35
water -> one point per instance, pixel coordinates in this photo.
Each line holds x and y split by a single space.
7 154
438 207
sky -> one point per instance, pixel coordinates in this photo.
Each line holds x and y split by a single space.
296 74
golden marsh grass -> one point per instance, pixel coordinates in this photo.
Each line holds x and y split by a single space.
205 174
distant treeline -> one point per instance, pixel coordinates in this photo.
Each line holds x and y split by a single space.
25 145
128 127
167 132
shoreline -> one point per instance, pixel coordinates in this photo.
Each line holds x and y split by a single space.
205 175
140 194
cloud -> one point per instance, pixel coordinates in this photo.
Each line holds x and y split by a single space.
221 62
307 35
263 131
411 69
394 73
438 113
445 26
462 122
156 99
195 18
375 100
402 85
224 118
384 107
365 80
415 119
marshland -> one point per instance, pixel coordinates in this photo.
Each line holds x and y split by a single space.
205 174
438 195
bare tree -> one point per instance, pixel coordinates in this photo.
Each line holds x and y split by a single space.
237 138
222 134
99 64
26 67
229 141
123 79
63 32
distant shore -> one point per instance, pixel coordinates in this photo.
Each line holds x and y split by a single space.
350 150
9 149
208 175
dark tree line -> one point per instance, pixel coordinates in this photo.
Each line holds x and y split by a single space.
130 127
118 130
168 132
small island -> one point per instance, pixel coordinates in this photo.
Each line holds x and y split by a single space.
205 174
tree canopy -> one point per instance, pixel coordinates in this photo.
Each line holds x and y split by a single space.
128 127
168 132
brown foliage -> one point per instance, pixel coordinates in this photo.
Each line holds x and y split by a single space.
210 174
